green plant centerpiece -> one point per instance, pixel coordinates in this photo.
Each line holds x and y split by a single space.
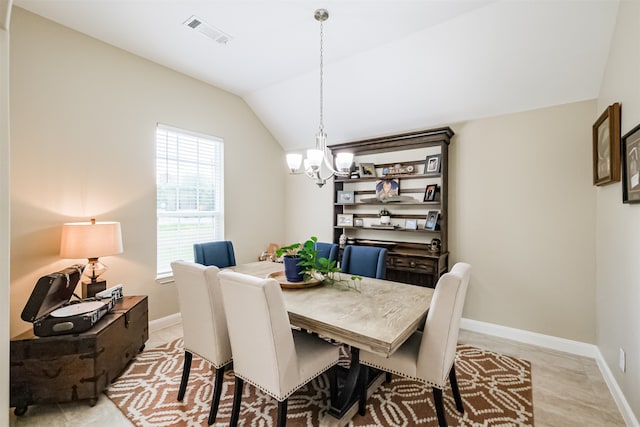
301 263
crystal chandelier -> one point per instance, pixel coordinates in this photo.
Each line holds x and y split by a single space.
319 160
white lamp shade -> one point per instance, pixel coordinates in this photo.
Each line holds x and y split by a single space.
294 160
343 161
90 239
315 157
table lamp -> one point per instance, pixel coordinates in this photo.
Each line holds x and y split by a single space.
91 240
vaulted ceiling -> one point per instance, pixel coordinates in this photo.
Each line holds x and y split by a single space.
390 65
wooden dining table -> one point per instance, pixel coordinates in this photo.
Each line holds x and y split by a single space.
377 316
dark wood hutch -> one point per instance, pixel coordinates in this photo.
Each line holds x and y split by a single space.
402 158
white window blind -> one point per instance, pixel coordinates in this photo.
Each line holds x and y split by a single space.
189 185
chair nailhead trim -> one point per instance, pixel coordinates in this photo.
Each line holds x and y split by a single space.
282 398
215 365
400 374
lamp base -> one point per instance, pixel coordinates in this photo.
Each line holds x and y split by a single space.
89 290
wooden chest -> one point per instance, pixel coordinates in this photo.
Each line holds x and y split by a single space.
65 368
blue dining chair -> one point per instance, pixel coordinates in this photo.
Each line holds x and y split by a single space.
218 253
327 250
367 261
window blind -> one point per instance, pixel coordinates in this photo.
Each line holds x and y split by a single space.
189 193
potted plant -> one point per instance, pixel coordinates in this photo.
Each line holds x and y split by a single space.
299 260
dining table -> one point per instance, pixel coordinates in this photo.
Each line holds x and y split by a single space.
365 313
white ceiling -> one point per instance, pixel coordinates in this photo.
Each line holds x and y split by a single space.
390 65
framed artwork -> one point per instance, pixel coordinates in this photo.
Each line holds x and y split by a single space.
359 222
386 188
345 220
432 164
606 146
346 197
367 170
430 193
630 153
411 224
432 220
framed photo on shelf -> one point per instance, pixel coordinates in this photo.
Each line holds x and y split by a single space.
386 188
346 197
359 222
367 170
432 220
430 193
411 224
631 166
432 164
345 220
606 146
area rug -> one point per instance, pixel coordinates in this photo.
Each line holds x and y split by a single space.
495 389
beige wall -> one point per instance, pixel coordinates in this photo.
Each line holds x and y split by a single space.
5 14
618 224
522 213
309 210
83 118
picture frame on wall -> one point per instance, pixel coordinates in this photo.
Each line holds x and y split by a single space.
630 153
430 193
346 197
606 146
345 220
432 164
432 220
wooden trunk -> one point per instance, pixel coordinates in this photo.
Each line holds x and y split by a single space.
73 367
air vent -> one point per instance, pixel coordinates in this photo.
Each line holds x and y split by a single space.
202 27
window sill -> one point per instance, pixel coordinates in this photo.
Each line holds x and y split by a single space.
164 279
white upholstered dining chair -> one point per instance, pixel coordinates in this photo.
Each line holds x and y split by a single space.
429 356
204 323
267 353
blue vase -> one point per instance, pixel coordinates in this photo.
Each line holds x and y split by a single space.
293 271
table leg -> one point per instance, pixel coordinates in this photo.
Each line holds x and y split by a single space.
348 393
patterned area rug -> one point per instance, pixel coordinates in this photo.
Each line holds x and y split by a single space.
496 391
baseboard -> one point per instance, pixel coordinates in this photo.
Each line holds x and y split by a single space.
164 322
560 344
626 411
534 338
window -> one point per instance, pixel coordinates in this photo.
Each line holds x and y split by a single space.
189 185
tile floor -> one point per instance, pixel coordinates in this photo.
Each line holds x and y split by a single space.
568 390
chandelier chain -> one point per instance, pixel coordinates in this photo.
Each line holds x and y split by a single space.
321 76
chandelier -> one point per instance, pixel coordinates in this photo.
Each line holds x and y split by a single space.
318 164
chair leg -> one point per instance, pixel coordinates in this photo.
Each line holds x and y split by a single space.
454 387
437 396
282 413
237 397
186 368
364 379
217 392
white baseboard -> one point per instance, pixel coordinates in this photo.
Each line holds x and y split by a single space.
534 338
618 396
560 344
164 322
